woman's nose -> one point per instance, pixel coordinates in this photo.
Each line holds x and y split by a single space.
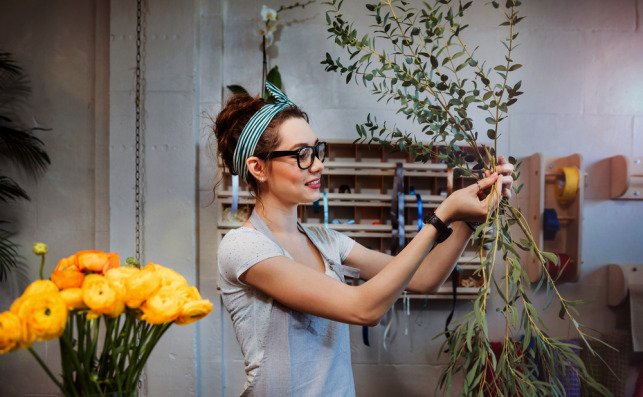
317 166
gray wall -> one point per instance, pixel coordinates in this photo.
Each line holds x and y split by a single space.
582 81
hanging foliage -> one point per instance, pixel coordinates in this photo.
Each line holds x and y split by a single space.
422 64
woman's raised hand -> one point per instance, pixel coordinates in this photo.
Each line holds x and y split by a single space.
471 203
474 202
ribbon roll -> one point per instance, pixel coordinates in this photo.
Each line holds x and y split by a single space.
420 221
561 272
566 185
235 194
551 225
400 220
325 210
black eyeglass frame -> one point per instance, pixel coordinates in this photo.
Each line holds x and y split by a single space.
284 153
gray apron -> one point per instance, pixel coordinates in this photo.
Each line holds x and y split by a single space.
305 355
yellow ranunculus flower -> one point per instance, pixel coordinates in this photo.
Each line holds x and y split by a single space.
40 286
193 311
169 277
10 332
43 316
100 296
73 297
118 275
140 285
162 307
188 294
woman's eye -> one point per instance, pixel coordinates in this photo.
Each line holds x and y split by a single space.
305 154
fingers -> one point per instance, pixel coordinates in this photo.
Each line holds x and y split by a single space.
488 181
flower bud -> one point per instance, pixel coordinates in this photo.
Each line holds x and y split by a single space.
40 248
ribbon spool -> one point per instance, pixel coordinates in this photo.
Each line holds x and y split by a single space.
566 185
554 269
551 224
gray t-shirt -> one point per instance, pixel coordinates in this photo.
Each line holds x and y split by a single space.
249 308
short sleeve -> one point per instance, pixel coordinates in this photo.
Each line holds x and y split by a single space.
344 243
242 248
337 245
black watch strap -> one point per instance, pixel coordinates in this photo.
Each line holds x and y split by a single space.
443 230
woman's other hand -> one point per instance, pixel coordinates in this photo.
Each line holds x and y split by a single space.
505 169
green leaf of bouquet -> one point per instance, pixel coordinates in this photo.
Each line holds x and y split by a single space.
237 89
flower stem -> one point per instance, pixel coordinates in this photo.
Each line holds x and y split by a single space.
42 265
51 376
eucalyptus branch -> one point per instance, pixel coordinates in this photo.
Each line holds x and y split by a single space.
439 104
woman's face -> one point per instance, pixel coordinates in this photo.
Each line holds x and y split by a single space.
288 182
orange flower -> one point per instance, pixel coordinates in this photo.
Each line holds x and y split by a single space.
73 297
43 316
68 263
97 261
10 332
193 311
69 277
162 307
100 296
140 285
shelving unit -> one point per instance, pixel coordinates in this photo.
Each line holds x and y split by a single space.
539 174
369 174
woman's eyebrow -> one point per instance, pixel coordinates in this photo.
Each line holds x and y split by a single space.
302 144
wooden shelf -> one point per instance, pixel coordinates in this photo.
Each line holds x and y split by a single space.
369 176
539 174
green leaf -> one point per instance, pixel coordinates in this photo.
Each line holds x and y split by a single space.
490 120
514 67
551 256
237 89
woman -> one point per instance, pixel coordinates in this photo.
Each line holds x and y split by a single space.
283 283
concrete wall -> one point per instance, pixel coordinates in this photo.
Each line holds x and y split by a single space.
582 84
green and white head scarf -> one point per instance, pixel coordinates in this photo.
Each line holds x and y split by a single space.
254 128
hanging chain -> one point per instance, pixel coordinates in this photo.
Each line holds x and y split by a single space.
138 198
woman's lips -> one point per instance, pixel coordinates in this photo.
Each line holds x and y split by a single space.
314 184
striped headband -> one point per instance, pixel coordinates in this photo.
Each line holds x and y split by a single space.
255 127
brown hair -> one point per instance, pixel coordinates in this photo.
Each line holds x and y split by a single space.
229 123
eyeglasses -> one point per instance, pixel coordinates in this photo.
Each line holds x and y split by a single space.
305 155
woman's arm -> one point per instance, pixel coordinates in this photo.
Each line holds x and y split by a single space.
432 272
304 289
439 263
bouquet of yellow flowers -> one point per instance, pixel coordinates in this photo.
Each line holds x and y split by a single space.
91 291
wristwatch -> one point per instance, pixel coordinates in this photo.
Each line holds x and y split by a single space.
443 230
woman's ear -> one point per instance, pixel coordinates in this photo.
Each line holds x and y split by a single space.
256 168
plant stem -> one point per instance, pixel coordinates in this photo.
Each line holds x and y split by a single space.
51 376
